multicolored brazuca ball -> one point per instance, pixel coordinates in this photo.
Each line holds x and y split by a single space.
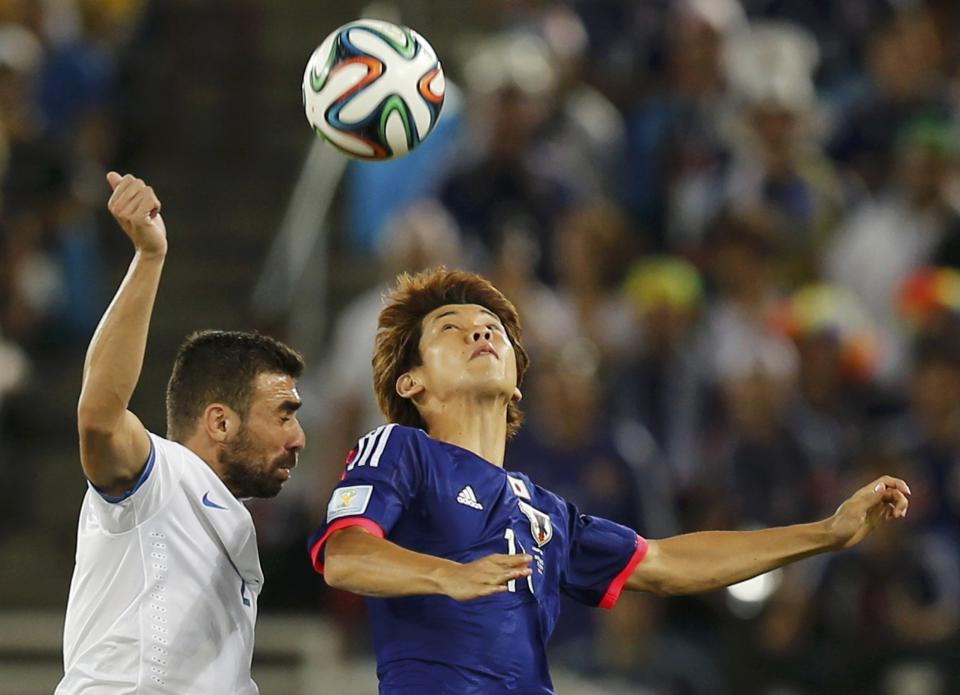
373 89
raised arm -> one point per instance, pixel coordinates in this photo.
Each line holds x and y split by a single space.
359 562
712 559
114 445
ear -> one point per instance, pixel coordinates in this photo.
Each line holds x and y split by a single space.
220 422
408 386
517 396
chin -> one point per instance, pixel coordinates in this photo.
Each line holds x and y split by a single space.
272 492
265 491
271 487
488 378
261 488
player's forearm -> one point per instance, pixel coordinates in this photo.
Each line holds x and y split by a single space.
709 560
115 355
363 564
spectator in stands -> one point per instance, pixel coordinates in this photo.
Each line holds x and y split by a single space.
776 161
906 62
887 237
838 350
663 387
592 249
673 131
503 173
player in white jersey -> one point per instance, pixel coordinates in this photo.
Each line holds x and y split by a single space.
164 592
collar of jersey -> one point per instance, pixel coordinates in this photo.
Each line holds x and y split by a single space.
469 453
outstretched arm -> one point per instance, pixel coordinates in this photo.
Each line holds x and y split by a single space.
114 445
359 562
697 562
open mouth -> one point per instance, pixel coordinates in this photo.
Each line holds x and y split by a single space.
484 350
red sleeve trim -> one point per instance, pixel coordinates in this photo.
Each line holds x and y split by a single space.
371 526
616 586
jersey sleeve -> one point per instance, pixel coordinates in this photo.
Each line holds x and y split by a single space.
382 477
600 559
148 494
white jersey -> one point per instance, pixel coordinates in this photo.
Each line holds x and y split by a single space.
164 593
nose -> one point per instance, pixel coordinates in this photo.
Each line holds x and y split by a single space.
299 439
482 334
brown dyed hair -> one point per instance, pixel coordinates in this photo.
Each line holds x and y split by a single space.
220 367
401 321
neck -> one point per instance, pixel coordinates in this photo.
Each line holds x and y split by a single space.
477 425
206 452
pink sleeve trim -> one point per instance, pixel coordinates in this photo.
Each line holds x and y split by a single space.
371 526
616 586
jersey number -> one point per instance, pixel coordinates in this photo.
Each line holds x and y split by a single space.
511 538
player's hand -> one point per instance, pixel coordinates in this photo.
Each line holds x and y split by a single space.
137 209
483 577
885 499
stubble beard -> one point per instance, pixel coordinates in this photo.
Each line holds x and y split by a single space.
244 470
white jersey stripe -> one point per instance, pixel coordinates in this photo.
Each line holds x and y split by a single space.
367 443
381 445
361 450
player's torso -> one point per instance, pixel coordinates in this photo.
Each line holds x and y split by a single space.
469 509
171 602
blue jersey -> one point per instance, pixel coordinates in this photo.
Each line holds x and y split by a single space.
440 499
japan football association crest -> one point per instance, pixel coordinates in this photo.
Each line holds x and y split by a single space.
541 527
519 487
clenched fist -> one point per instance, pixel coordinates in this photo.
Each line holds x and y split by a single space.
137 209
885 499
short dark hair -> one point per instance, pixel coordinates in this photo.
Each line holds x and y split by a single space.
220 367
398 335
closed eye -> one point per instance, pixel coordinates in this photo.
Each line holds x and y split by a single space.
288 410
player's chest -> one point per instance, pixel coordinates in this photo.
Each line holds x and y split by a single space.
471 516
207 522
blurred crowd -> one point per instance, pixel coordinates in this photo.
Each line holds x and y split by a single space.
732 230
733 234
59 85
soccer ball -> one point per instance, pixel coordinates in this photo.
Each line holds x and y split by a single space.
373 89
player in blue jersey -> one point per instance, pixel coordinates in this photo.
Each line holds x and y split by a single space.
464 561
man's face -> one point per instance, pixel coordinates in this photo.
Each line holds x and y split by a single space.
465 350
259 459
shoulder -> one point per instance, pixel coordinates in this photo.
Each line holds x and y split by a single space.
169 452
166 447
386 443
176 461
162 471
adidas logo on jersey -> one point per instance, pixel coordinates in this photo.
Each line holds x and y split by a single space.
468 498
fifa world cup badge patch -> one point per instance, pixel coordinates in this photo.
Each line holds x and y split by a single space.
541 527
349 501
